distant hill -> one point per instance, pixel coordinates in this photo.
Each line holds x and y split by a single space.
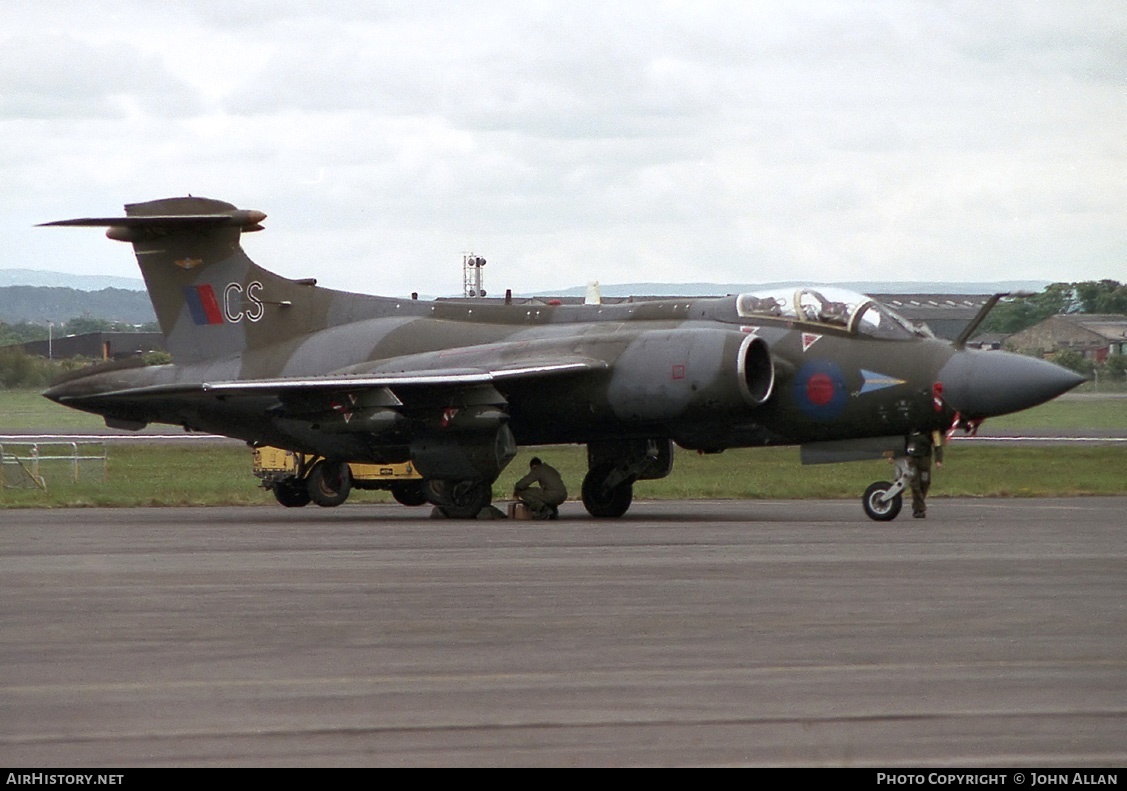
40 305
40 277
865 287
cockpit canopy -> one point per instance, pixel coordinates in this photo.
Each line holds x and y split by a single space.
828 305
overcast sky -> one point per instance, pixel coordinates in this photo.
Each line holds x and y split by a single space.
733 142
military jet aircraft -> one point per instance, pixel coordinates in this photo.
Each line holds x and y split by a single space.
455 386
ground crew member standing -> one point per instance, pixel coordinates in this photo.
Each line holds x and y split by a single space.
549 491
921 447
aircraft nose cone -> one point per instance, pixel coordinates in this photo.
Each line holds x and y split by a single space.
987 384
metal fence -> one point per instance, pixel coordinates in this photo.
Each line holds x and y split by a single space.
32 464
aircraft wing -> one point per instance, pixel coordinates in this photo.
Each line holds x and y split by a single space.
435 379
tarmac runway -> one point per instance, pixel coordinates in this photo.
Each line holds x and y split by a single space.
992 634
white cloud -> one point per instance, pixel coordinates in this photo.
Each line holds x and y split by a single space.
66 78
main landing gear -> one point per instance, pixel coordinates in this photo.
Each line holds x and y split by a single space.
459 499
410 493
291 493
608 491
613 467
883 500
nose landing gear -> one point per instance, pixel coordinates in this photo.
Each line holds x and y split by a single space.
883 500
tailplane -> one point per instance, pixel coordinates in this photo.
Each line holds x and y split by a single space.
211 300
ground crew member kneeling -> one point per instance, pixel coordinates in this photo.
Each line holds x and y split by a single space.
542 490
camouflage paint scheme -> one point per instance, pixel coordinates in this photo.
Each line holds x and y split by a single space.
456 386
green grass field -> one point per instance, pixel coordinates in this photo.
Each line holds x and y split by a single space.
166 475
27 410
1069 413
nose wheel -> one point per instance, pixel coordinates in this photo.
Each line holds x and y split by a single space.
879 504
883 500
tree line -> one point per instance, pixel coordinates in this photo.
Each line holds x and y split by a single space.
21 370
1091 296
1088 297
25 331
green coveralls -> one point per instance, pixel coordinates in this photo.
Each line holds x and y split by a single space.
921 448
548 493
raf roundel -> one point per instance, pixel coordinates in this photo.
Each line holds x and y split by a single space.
819 389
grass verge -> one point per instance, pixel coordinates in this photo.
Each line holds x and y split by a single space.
163 475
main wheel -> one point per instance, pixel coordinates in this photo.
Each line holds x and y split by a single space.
603 502
409 493
329 483
460 499
878 509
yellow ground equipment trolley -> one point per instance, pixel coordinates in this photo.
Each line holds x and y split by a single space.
296 479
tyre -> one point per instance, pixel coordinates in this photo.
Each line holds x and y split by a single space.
329 483
462 499
291 493
604 503
409 493
881 511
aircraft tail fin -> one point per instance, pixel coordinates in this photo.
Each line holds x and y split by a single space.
211 300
